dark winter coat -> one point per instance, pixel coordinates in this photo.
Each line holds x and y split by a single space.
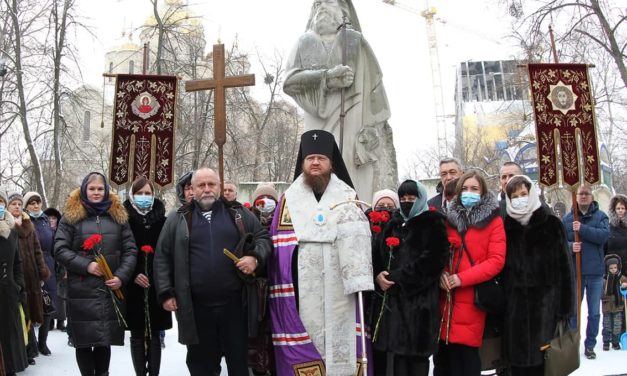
171 263
593 232
611 298
34 267
45 235
485 239
11 285
89 305
411 323
436 201
617 240
146 230
538 285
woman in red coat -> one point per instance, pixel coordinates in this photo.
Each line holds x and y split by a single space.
474 220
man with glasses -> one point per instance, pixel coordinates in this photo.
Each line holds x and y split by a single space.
593 230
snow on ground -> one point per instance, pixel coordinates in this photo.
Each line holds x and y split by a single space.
62 361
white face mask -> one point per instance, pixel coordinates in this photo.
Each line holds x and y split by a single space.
519 203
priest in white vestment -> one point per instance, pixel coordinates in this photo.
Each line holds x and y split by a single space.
331 260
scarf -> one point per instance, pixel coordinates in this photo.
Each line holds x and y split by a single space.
6 225
95 208
523 215
613 286
420 205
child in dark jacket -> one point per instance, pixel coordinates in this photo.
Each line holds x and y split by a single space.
612 302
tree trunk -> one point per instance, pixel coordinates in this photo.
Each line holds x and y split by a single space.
41 188
60 30
611 37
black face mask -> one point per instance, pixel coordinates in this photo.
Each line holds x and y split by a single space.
406 208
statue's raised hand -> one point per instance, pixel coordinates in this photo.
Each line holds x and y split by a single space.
340 76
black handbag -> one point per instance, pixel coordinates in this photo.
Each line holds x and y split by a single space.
561 355
49 308
489 295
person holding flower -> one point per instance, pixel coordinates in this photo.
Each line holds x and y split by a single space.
145 318
407 263
475 231
95 224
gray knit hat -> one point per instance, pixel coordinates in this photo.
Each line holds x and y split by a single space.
3 197
14 196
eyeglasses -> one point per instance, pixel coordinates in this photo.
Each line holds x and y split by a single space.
385 207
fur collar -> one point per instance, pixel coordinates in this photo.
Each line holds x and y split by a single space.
479 216
75 212
6 225
26 228
538 218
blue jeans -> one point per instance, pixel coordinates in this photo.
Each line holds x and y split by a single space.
592 287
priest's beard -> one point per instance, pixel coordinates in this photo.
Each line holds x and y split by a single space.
318 183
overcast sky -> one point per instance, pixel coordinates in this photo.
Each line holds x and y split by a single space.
468 30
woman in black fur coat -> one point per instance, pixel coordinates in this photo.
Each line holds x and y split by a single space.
537 277
146 216
408 327
617 242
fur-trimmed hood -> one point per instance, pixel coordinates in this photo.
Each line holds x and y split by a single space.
611 213
75 211
478 216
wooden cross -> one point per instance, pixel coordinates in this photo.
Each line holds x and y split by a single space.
219 84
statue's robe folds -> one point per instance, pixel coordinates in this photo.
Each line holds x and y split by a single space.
368 149
333 263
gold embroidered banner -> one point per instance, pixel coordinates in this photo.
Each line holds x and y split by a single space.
143 129
564 113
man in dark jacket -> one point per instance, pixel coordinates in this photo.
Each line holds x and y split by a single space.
506 173
204 287
450 168
593 227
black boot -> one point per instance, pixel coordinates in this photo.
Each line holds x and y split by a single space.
138 355
31 349
42 346
154 354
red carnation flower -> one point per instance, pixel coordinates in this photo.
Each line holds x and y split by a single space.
147 249
92 241
376 229
392 241
247 205
260 202
384 215
374 216
432 208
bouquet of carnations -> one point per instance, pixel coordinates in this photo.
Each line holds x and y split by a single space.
93 243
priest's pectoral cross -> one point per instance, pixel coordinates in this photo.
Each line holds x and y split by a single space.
219 84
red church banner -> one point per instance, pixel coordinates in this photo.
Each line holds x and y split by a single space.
143 129
564 115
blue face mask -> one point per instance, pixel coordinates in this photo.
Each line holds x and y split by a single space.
470 199
2 211
143 202
35 214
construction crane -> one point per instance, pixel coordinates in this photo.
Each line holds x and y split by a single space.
434 57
